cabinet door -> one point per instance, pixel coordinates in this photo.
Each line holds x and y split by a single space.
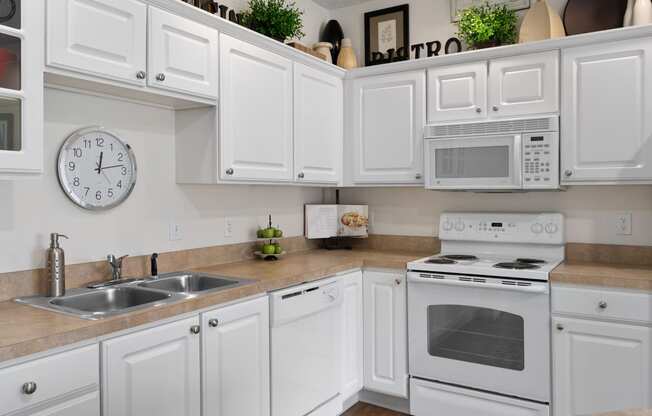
607 129
256 113
385 333
153 372
236 360
317 126
388 117
352 335
600 367
523 85
182 54
106 38
457 93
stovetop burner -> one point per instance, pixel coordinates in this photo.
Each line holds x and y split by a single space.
460 257
440 260
530 261
516 266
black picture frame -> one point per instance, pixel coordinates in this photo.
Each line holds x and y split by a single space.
372 19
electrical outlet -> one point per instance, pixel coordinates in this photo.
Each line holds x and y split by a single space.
175 232
624 223
228 227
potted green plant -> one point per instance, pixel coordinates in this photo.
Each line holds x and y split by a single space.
487 25
278 19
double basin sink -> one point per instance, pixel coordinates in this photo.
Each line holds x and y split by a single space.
115 298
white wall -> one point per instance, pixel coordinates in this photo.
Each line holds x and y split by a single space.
590 211
429 20
30 209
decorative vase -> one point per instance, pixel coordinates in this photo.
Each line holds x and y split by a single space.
541 22
346 59
629 13
333 34
642 14
324 48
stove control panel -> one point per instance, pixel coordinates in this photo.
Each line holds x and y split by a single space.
546 228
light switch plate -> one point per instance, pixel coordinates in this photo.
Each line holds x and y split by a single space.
228 227
623 223
175 232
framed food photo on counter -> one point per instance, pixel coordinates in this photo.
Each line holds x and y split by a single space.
387 35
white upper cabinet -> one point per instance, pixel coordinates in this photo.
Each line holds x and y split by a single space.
387 120
457 93
607 128
236 367
524 85
106 38
183 55
385 333
153 372
317 126
256 113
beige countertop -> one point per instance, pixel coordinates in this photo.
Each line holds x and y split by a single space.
27 330
641 412
603 274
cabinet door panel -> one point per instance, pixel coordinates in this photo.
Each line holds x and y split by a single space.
607 128
317 126
388 119
185 52
457 93
352 335
106 38
153 372
600 367
524 85
236 360
256 113
385 333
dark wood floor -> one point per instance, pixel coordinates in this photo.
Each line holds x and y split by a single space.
364 409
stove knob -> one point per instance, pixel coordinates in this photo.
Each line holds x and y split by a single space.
447 225
551 228
536 228
459 226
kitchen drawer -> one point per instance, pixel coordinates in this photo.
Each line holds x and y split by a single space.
55 376
603 303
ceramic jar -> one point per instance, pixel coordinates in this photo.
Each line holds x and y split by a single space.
642 13
346 58
324 48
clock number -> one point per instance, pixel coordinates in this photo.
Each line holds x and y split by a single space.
99 142
98 195
119 184
110 192
77 152
71 166
87 189
87 144
111 146
121 157
75 181
124 171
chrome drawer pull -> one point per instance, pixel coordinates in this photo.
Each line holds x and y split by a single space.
29 388
602 304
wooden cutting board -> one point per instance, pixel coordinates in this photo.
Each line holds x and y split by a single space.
583 16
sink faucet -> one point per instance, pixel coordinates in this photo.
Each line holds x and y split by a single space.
116 266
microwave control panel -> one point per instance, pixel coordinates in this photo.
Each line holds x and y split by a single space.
540 160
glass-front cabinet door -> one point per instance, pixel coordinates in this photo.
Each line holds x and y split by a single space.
21 86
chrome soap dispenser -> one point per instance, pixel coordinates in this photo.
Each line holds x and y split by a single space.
56 267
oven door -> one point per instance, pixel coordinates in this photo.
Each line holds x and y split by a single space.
484 333
474 163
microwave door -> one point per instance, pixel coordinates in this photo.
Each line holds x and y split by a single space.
474 163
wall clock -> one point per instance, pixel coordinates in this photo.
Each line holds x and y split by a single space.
97 170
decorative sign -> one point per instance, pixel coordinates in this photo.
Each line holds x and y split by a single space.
418 50
459 5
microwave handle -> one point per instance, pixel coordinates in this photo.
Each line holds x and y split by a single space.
415 278
518 160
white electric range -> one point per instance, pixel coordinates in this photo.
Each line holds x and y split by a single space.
479 316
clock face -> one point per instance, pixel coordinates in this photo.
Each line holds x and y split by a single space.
97 170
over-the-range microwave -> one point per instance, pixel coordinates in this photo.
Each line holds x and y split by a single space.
502 155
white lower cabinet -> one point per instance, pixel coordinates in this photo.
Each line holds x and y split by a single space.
352 338
63 384
385 333
236 368
153 372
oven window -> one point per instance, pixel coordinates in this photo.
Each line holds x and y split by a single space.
476 335
472 162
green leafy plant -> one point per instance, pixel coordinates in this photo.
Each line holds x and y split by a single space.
278 19
487 25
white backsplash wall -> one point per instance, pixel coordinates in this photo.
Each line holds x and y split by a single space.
32 208
590 211
429 20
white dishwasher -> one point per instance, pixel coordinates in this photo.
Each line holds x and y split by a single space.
306 331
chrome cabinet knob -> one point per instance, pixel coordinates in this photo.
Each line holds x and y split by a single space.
29 388
213 323
229 171
495 108
141 75
160 77
398 281
195 329
560 327
478 110
301 175
602 304
417 176
568 173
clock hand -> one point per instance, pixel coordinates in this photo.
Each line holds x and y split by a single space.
111 167
99 165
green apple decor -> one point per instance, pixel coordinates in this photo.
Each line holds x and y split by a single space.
271 249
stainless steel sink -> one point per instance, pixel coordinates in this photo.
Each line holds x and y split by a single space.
191 283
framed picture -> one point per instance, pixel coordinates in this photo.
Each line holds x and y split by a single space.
386 30
459 5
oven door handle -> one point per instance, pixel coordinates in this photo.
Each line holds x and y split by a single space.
539 288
